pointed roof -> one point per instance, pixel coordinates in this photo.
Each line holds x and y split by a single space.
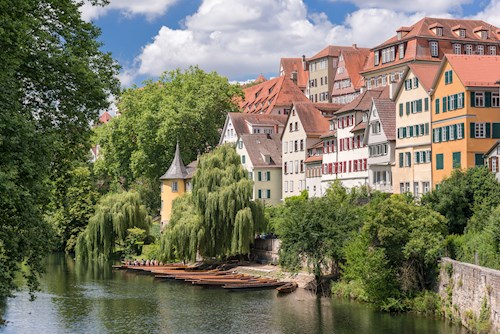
386 109
291 65
177 170
475 70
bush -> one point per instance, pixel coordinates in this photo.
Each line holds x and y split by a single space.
427 302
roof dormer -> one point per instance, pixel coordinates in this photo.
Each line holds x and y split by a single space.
481 32
459 30
402 32
436 28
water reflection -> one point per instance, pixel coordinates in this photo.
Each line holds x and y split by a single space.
90 298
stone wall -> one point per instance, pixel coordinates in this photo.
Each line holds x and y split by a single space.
266 250
465 287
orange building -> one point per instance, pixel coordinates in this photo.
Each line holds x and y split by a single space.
465 112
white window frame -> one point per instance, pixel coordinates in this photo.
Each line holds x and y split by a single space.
444 129
480 130
468 49
479 99
495 99
460 101
452 102
434 48
480 49
416 188
286 186
494 164
492 50
401 51
460 135
425 187
457 48
452 133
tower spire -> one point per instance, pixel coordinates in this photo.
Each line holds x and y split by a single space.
177 170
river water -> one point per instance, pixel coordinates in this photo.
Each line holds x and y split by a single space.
83 299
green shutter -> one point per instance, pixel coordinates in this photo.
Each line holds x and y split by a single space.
412 107
487 97
472 99
408 154
495 130
455 131
439 161
456 102
417 160
450 76
463 130
456 159
416 82
488 130
448 134
268 176
463 99
426 128
268 193
445 103
437 106
440 134
400 109
479 159
472 130
426 104
419 105
449 103
259 176
434 137
259 193
411 131
404 132
401 158
407 108
446 77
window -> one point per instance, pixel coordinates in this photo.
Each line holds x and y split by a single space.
435 49
468 49
285 167
401 51
479 159
296 166
407 187
296 126
493 50
377 55
291 186
452 132
457 48
480 49
250 175
439 31
461 33
296 145
448 77
444 133
493 166
460 133
175 186
495 100
302 144
268 193
259 193
479 99
402 188
426 187
456 159
484 34
286 186
243 159
375 127
439 161
480 131
415 188
268 176
408 159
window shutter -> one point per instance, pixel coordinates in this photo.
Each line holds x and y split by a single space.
456 159
426 128
487 97
446 77
488 130
472 99
445 103
411 131
490 164
449 103
401 157
456 102
448 134
437 106
495 130
439 161
440 134
407 108
434 136
419 105
455 131
450 77
268 193
268 176
400 109
404 132
496 158
259 177
463 100
472 130
413 105
463 130
260 193
417 157
426 103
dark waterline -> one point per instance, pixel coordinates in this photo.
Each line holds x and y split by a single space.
82 299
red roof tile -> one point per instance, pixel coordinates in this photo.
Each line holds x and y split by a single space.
105 118
331 51
364 101
386 110
260 145
291 65
476 71
313 122
425 73
241 120
314 158
361 126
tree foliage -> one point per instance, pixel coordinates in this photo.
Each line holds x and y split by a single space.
54 80
224 220
138 146
115 215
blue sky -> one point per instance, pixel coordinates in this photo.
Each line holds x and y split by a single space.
243 38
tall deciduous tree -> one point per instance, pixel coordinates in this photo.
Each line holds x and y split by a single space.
226 219
115 214
189 106
54 80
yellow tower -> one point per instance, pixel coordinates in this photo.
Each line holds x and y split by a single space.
173 185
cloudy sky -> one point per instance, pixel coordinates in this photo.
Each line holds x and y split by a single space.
244 38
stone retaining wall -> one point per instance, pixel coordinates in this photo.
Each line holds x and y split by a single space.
465 287
266 250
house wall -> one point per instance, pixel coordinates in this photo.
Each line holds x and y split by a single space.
418 173
229 135
313 180
316 73
168 196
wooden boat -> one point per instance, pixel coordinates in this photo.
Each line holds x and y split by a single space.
288 287
253 286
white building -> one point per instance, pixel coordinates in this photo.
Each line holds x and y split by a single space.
380 136
238 124
303 128
313 165
492 161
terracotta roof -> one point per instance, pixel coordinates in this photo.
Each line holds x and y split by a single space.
263 97
331 51
355 61
364 101
105 118
177 170
328 108
317 145
476 71
425 73
419 34
313 122
361 126
386 110
241 120
290 65
314 158
260 79
331 133
259 146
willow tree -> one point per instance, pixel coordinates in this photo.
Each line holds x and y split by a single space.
114 215
225 219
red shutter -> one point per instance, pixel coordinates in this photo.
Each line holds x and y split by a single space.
329 168
490 166
497 164
366 164
336 167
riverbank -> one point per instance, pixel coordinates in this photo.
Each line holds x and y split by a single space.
302 278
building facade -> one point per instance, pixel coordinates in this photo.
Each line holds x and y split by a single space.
313 165
347 82
238 124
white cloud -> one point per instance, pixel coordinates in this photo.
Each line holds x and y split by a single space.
411 6
490 14
128 8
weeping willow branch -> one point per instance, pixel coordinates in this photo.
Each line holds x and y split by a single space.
114 215
218 218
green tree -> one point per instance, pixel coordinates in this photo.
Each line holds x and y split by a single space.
465 195
226 219
54 81
138 146
115 215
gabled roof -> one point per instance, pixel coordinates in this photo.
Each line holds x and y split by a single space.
331 133
331 51
492 148
355 60
105 118
361 126
327 108
474 71
313 158
425 72
313 122
259 146
177 170
277 92
290 65
363 101
386 110
241 121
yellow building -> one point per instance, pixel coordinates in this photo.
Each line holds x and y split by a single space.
412 169
465 112
174 183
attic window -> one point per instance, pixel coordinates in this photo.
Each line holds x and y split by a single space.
461 33
439 31
271 89
258 92
400 35
484 34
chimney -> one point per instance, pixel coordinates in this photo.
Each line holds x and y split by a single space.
392 89
304 64
355 46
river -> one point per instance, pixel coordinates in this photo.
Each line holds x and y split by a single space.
83 299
